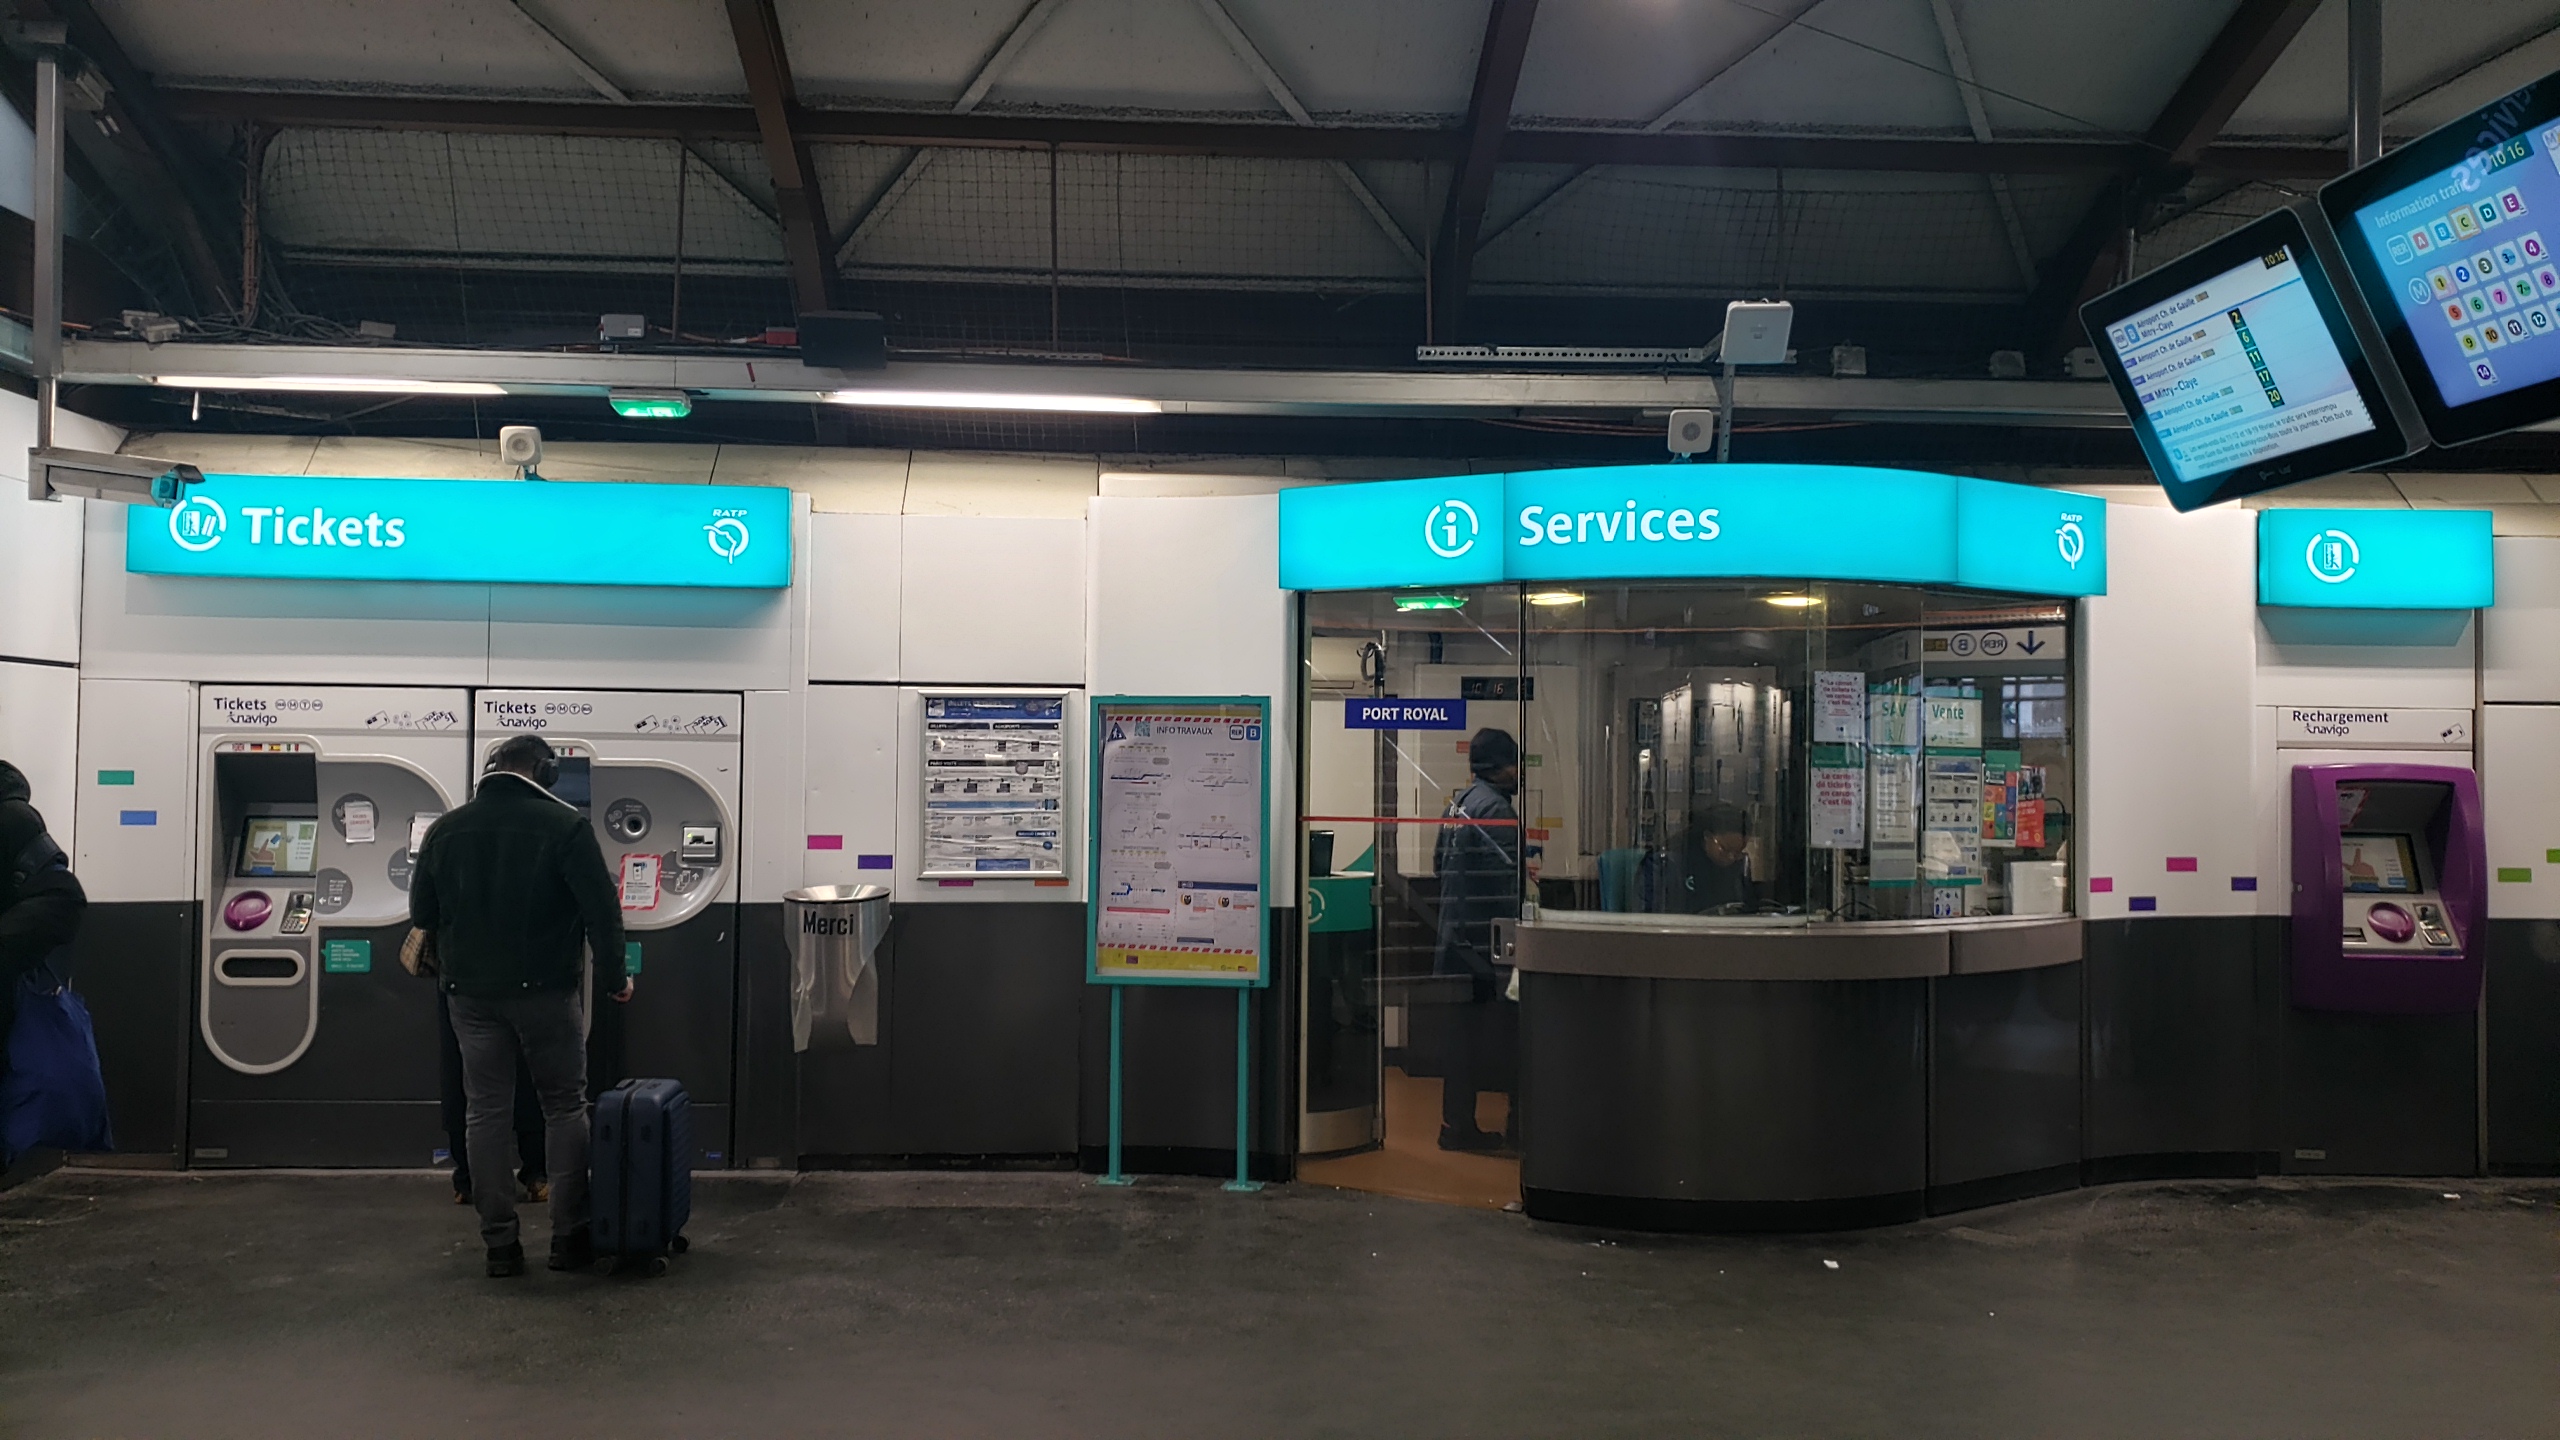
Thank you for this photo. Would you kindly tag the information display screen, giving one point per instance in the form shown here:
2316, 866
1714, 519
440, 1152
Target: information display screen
2449, 240
2382, 864
278, 845
2239, 369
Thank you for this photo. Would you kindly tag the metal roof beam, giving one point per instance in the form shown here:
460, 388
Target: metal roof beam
786, 151
2239, 57
1480, 145
1240, 139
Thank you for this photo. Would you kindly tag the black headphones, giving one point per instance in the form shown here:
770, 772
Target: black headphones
517, 748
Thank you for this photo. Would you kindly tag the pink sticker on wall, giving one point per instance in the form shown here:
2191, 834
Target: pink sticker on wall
2102, 885
2182, 864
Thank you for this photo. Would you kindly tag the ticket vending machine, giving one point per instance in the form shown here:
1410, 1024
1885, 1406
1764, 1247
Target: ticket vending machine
657, 774
2389, 889
312, 1046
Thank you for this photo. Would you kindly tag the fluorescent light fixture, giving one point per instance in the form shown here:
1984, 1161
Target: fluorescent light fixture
1431, 602
341, 384
996, 400
1555, 597
1791, 602
650, 404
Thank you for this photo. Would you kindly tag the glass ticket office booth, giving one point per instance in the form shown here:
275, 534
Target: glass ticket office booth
1744, 849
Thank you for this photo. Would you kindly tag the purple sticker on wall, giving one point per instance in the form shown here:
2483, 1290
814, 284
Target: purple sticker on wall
2142, 902
873, 862
2244, 882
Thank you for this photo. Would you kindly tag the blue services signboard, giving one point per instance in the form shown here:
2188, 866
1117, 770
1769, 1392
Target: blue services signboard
1813, 522
1394, 714
2376, 559
501, 532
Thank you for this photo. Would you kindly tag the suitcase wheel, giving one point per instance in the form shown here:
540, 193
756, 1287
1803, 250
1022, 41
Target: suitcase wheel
654, 1267
679, 1245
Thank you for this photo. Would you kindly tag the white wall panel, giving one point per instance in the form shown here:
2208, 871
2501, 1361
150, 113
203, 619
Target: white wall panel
770, 798
641, 638
275, 631
40, 544
910, 818
1186, 600
2376, 658
853, 596
850, 750
2520, 634
40, 734
991, 601
2167, 717
2520, 798
136, 840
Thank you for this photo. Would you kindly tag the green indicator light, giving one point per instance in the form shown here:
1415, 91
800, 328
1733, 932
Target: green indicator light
1431, 602
651, 404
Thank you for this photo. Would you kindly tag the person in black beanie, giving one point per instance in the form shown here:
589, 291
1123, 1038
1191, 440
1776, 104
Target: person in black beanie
40, 899
1478, 865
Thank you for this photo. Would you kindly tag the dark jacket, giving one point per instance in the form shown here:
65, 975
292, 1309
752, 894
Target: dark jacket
1479, 871
40, 899
509, 884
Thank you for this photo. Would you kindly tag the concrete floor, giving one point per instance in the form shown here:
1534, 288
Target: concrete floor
1039, 1305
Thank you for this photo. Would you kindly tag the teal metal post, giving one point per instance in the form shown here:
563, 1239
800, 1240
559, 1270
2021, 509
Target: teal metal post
1244, 1087
1114, 1177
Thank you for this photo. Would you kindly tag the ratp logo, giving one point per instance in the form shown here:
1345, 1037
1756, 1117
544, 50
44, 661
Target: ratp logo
196, 524
2332, 557
1450, 529
728, 534
2070, 541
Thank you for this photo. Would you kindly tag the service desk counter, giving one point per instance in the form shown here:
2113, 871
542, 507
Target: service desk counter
1690, 1073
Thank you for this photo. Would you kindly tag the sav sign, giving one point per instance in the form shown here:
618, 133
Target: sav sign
486, 532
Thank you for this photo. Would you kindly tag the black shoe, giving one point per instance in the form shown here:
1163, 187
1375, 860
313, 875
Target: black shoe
1474, 1142
505, 1260
573, 1252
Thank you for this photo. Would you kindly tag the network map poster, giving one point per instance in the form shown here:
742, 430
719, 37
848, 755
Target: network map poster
1181, 819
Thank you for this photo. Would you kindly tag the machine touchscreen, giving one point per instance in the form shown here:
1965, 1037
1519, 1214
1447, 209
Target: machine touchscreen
278, 845
2378, 864
577, 782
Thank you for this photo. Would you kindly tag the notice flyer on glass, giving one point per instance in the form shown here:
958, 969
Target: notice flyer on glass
995, 785
1178, 842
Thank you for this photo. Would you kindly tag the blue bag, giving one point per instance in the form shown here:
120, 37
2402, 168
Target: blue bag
54, 1093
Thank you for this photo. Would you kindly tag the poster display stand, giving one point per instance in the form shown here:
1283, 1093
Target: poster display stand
1181, 868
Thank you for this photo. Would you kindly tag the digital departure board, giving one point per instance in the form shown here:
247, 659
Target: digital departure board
2449, 241
2240, 370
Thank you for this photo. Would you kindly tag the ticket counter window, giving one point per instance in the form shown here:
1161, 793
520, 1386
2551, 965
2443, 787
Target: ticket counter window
1739, 753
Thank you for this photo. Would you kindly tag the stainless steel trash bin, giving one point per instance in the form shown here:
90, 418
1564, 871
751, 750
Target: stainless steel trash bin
835, 931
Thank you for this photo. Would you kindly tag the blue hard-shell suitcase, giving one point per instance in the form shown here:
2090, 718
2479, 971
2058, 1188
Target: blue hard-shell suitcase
642, 1167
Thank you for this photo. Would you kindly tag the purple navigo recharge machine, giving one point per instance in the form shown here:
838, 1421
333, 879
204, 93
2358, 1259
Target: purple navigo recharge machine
2389, 889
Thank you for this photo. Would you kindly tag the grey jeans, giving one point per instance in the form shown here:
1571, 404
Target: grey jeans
549, 1027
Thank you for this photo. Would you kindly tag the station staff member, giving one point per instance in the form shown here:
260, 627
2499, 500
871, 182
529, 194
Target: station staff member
510, 885
1478, 865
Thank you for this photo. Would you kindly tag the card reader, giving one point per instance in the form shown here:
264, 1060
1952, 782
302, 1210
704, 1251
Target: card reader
700, 845
297, 913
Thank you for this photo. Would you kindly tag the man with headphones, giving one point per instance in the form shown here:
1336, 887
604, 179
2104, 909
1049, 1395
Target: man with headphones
512, 887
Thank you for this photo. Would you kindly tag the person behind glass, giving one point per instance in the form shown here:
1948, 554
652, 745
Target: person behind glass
511, 886
1718, 878
1478, 866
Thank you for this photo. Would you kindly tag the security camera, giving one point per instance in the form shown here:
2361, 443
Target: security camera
124, 479
1692, 431
520, 446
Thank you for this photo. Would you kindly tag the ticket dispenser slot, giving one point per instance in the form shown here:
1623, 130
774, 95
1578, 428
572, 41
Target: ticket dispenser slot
2389, 889
259, 1004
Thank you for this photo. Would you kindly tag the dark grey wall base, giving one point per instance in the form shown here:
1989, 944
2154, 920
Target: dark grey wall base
2191, 1165
2181, 1036
134, 969
2524, 1047
1178, 1064
939, 1162
2001, 1189
316, 1133
1186, 1160
1622, 1212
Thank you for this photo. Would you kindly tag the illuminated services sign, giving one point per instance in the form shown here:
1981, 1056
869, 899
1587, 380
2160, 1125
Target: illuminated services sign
1814, 522
282, 527
2376, 559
